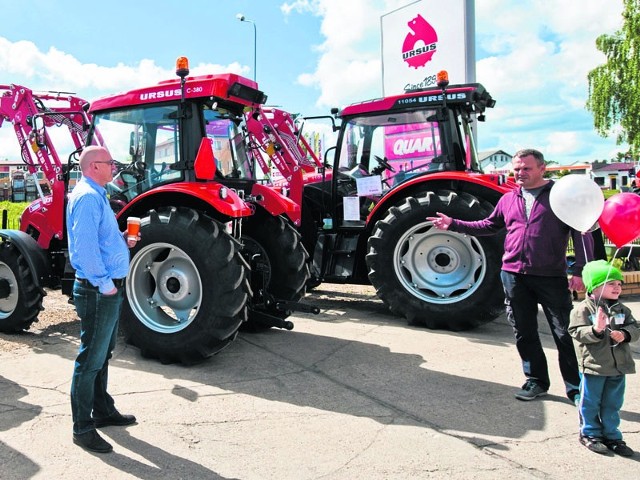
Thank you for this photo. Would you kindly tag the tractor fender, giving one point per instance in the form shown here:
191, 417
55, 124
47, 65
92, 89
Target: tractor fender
275, 203
495, 185
36, 257
223, 199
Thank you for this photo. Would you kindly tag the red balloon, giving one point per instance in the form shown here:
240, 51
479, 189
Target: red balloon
620, 218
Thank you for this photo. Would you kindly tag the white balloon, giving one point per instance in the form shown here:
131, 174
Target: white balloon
577, 201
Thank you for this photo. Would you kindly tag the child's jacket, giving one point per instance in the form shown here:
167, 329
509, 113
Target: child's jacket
597, 354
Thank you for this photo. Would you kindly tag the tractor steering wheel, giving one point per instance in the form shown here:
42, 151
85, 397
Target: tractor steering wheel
135, 168
383, 162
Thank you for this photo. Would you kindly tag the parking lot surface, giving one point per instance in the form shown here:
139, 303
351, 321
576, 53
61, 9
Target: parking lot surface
350, 393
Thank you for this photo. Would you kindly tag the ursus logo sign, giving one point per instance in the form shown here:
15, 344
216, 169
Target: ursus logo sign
423, 33
424, 37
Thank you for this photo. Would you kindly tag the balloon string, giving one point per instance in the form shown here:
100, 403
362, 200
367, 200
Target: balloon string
606, 279
584, 248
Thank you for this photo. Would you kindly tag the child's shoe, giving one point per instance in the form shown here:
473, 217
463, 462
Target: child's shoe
595, 444
619, 447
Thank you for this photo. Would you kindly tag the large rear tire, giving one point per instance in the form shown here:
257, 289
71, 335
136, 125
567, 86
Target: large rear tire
21, 300
187, 287
436, 278
279, 263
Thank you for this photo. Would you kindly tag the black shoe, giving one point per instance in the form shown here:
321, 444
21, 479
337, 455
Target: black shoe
619, 447
92, 441
117, 419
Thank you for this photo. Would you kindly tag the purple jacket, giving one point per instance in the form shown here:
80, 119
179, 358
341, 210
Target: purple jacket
537, 246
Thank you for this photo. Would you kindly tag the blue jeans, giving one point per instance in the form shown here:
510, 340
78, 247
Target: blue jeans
99, 316
523, 294
600, 404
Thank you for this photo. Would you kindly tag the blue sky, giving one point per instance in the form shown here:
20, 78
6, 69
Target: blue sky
532, 55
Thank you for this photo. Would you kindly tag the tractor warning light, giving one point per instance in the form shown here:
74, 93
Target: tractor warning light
442, 78
182, 67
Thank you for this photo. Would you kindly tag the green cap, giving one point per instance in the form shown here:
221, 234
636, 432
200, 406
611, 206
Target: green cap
599, 272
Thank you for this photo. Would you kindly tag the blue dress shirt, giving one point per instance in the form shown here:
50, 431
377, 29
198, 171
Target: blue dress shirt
97, 249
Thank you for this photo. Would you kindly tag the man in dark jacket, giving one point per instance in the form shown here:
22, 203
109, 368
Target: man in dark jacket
534, 271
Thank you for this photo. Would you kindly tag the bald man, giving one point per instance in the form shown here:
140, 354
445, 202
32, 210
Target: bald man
99, 254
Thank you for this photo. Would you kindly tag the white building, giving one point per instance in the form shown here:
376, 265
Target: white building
495, 160
614, 176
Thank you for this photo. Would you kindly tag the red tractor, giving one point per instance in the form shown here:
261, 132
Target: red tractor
35, 256
216, 250
214, 240
218, 244
397, 161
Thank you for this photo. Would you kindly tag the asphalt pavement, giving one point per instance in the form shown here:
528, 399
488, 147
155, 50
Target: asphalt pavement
348, 394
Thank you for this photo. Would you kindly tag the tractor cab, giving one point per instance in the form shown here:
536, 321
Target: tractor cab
145, 141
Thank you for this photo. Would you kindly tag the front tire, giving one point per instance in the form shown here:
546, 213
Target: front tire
436, 278
21, 300
279, 264
187, 287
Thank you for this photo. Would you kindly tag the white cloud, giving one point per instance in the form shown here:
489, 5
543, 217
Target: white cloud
562, 143
301, 6
55, 70
58, 70
349, 66
539, 56
536, 56
9, 147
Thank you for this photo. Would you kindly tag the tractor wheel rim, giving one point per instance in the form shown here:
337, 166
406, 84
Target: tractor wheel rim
164, 288
439, 266
9, 303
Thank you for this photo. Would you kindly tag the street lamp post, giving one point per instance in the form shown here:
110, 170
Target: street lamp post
242, 18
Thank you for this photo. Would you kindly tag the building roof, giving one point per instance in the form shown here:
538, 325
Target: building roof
556, 168
612, 167
482, 156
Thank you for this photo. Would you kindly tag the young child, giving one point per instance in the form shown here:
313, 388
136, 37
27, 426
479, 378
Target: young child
602, 328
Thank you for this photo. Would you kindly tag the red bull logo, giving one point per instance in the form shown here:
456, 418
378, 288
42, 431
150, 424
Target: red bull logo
424, 33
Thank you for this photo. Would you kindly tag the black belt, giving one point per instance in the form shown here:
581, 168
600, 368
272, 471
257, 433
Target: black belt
118, 282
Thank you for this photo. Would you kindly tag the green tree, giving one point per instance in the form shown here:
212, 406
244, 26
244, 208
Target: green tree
598, 163
613, 87
623, 157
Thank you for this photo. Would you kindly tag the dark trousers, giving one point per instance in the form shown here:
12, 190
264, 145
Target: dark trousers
523, 294
99, 316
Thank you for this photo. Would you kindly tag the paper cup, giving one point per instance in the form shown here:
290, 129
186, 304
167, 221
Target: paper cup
133, 228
